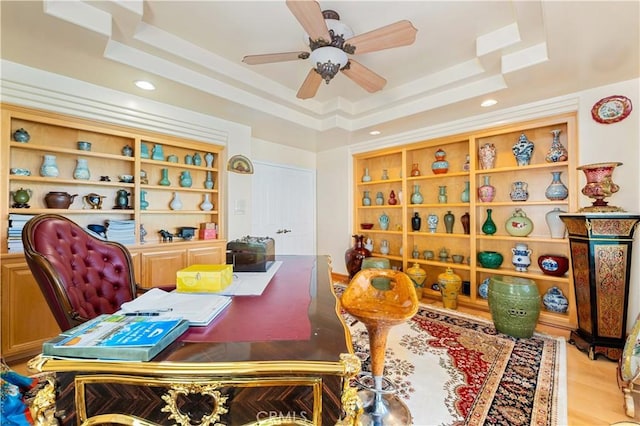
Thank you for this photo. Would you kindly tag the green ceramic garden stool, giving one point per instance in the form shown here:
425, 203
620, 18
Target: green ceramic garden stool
514, 304
377, 263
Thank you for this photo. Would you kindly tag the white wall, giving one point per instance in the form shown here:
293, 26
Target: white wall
598, 142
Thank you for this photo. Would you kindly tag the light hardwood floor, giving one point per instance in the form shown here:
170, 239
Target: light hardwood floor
592, 390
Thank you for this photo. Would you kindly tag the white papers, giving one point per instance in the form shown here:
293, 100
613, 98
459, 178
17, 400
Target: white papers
251, 283
198, 308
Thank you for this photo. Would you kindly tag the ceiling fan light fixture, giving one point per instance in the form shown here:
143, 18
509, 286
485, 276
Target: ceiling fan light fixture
327, 61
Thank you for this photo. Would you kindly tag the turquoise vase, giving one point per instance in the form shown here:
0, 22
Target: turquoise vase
164, 181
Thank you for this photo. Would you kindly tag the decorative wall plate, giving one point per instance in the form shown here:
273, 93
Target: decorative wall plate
240, 164
611, 109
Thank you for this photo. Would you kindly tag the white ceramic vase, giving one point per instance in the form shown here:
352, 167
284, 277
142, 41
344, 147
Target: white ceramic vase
175, 204
206, 204
556, 226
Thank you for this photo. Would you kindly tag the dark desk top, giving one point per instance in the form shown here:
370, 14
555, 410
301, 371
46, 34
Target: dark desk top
324, 340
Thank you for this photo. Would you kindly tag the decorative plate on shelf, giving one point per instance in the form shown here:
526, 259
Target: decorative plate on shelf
240, 164
611, 109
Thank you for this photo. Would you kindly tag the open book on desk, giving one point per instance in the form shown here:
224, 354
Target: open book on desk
198, 308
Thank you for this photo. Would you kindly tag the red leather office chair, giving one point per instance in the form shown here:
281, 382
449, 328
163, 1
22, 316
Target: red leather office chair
80, 276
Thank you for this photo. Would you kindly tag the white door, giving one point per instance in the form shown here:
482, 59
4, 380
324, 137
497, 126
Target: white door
284, 207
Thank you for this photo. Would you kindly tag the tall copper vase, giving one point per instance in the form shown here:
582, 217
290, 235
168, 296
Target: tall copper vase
354, 256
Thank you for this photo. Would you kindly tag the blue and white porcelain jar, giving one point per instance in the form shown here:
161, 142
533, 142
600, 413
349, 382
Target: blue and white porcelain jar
522, 150
483, 288
521, 258
555, 301
383, 220
556, 191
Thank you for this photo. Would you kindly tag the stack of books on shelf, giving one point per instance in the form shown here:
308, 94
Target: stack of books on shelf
14, 232
121, 231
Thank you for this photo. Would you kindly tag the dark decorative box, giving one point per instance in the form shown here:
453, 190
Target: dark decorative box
251, 254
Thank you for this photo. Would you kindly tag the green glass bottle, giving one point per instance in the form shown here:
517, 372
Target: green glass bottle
489, 227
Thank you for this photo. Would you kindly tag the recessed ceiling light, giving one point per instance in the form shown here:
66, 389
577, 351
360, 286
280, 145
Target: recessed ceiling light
488, 103
145, 85
375, 132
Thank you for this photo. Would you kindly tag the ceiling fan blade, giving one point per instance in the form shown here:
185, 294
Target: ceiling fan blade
364, 77
401, 33
310, 86
309, 14
274, 57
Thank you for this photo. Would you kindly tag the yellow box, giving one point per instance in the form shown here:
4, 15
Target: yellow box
204, 278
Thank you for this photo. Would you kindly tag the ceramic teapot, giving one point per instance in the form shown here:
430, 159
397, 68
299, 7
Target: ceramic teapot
59, 200
21, 197
93, 200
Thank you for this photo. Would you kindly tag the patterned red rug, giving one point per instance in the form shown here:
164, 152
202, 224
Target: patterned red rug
456, 369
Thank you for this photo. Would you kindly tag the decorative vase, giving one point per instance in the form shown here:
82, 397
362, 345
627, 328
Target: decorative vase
21, 135
157, 153
522, 150
416, 196
415, 170
486, 192
428, 254
555, 265
519, 225
208, 159
368, 244
555, 301
164, 181
416, 221
556, 191
384, 247
366, 200
188, 159
197, 159
441, 165
127, 151
600, 185
557, 228
450, 285
489, 226
487, 156
467, 164
417, 275
521, 258
556, 152
519, 191
483, 288
383, 220
143, 200
392, 198
449, 220
185, 179
122, 199
465, 195
464, 220
415, 253
443, 255
144, 151
432, 222
354, 256
175, 203
385, 175
490, 259
49, 168
366, 177
208, 182
514, 303
442, 194
206, 205
379, 199
82, 170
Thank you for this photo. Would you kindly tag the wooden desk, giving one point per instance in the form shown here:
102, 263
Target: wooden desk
298, 372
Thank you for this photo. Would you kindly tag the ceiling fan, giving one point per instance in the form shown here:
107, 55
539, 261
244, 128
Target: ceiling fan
330, 41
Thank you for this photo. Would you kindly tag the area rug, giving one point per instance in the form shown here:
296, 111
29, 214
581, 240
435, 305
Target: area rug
456, 369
